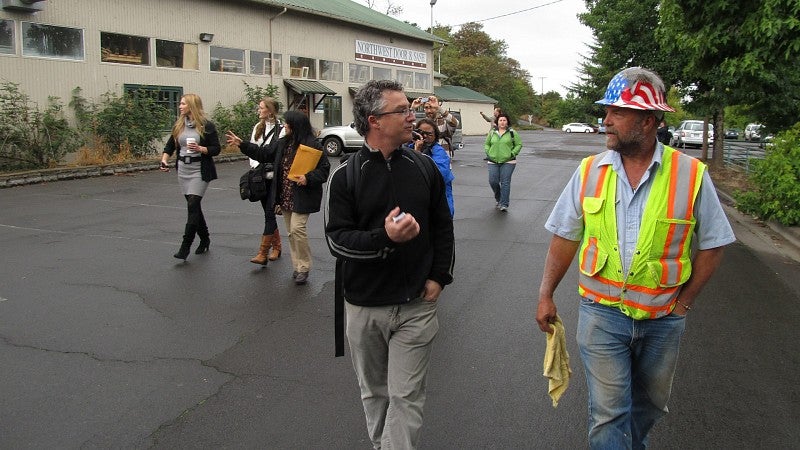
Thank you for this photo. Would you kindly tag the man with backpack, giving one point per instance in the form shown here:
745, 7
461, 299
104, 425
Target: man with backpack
388, 224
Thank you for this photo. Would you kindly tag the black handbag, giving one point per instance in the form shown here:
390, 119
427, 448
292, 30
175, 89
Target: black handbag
253, 184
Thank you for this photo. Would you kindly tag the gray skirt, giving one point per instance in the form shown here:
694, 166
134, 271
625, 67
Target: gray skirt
190, 179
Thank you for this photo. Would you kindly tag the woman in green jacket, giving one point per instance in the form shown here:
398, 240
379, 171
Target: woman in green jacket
502, 147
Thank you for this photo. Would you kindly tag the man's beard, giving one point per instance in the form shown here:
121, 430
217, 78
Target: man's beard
630, 144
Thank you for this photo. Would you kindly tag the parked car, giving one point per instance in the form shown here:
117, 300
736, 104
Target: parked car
335, 140
732, 133
690, 132
752, 132
601, 129
345, 138
576, 127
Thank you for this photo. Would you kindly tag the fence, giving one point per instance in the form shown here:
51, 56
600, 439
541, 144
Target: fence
741, 154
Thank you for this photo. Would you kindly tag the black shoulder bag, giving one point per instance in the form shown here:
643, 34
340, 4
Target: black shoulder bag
254, 184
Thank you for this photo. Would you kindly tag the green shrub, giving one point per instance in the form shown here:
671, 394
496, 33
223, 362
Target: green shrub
133, 122
776, 179
30, 138
242, 116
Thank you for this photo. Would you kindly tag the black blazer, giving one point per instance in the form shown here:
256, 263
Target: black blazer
308, 198
210, 140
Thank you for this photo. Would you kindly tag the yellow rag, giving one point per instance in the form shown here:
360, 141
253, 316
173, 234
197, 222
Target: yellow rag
556, 362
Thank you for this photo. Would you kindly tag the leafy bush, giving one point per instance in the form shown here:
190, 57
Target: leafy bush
30, 138
133, 122
242, 116
777, 182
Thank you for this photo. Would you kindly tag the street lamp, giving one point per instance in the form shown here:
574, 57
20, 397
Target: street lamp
433, 2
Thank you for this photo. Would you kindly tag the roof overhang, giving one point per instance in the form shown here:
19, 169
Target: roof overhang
308, 87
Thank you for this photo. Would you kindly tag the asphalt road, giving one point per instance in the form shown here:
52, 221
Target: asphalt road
107, 341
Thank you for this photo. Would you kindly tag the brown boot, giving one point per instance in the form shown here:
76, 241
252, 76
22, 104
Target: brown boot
275, 253
261, 257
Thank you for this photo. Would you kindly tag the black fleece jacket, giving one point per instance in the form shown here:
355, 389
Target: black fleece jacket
377, 271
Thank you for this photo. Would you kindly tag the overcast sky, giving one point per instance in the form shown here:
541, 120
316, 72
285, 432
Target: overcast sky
545, 36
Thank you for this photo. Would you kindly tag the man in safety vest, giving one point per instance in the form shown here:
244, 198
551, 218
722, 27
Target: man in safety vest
632, 214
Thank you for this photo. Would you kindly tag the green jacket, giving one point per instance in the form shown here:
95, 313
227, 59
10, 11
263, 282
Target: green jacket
501, 149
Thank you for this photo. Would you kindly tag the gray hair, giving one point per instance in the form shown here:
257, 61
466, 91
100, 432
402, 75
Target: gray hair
369, 101
634, 74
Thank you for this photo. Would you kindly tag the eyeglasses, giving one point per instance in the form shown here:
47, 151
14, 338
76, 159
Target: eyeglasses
425, 133
405, 112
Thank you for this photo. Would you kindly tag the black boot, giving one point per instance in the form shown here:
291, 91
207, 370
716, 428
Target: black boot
205, 239
188, 238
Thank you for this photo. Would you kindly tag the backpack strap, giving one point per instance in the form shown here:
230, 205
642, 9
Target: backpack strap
425, 169
352, 173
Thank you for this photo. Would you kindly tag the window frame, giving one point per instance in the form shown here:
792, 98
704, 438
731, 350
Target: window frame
182, 66
23, 39
234, 63
13, 32
121, 58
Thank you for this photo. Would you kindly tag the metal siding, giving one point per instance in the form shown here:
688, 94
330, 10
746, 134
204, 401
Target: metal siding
237, 25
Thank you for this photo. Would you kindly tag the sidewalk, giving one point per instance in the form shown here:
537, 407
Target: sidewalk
785, 240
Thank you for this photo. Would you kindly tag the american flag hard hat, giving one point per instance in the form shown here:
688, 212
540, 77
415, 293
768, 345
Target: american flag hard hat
627, 90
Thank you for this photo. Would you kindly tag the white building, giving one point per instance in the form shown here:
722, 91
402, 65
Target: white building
316, 51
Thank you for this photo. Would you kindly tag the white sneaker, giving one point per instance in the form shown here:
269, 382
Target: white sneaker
504, 208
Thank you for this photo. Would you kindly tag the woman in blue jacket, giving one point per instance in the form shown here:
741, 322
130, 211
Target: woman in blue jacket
428, 143
502, 147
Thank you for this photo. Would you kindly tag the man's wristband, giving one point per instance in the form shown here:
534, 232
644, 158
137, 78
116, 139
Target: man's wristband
685, 306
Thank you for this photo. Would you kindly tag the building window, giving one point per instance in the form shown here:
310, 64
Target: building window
359, 73
124, 49
7, 37
381, 73
167, 96
405, 78
52, 41
330, 70
422, 81
176, 54
260, 63
300, 67
332, 107
227, 60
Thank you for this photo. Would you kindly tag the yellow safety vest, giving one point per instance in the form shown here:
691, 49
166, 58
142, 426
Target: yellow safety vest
662, 260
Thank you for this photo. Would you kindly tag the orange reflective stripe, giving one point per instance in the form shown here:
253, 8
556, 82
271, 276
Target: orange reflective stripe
650, 291
600, 181
692, 186
647, 308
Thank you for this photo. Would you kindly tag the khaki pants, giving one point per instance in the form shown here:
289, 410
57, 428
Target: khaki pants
391, 348
298, 240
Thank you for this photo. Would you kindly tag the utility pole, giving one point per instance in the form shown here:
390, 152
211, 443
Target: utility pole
541, 97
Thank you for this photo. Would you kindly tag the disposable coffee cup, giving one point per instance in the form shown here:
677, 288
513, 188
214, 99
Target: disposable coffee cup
190, 141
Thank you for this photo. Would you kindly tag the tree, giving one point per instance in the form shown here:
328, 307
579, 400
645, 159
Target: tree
391, 8
624, 32
475, 60
736, 53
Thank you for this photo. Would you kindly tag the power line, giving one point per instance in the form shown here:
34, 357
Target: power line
508, 14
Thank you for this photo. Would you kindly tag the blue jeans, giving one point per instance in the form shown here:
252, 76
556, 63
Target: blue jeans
629, 370
500, 181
